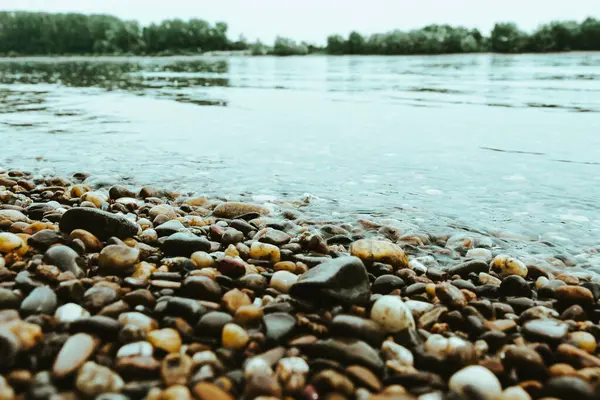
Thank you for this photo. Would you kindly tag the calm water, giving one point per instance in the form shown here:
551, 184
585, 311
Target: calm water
506, 144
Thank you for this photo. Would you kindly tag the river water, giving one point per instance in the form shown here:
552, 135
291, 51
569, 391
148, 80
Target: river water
503, 145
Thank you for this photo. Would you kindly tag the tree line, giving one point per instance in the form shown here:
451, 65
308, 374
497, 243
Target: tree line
36, 33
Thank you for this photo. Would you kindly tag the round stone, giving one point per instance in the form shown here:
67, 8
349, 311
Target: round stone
202, 259
392, 314
10, 242
76, 350
476, 379
507, 265
584, 340
372, 250
93, 380
282, 281
70, 312
118, 258
92, 243
265, 251
166, 339
234, 337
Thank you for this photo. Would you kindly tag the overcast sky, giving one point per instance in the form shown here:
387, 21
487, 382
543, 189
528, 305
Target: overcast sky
313, 20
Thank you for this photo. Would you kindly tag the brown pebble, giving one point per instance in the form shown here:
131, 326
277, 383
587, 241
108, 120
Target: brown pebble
574, 295
175, 369
234, 299
364, 377
166, 339
210, 391
562, 369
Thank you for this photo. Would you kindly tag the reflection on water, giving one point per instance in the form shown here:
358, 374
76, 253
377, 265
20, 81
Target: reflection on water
504, 145
161, 79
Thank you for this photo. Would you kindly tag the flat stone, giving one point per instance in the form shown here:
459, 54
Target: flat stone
168, 228
341, 280
45, 238
346, 351
231, 210
372, 250
118, 259
358, 328
545, 330
184, 244
76, 351
66, 259
574, 295
41, 300
279, 326
100, 223
473, 266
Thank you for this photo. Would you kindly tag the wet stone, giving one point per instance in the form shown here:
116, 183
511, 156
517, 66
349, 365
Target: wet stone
211, 324
272, 236
574, 295
97, 297
476, 380
515, 285
201, 287
232, 210
9, 299
168, 228
279, 326
93, 379
74, 353
385, 284
464, 269
184, 244
282, 281
545, 330
343, 280
450, 295
65, 258
392, 314
41, 300
176, 369
104, 327
348, 351
45, 238
371, 250
356, 327
210, 391
166, 339
100, 223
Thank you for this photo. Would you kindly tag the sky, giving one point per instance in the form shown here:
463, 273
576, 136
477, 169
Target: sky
314, 20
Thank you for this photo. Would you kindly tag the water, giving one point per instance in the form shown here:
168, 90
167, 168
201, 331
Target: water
503, 145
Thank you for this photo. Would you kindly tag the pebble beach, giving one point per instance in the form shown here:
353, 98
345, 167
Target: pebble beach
126, 292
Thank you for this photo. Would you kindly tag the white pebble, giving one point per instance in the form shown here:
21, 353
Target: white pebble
257, 366
436, 344
392, 314
479, 252
70, 312
480, 379
282, 281
515, 393
135, 349
418, 308
395, 352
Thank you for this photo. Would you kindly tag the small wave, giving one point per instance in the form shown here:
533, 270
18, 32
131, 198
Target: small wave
512, 151
578, 162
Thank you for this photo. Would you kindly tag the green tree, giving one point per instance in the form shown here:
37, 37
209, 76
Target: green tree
507, 38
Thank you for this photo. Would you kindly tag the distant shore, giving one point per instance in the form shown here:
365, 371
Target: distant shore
35, 33
226, 54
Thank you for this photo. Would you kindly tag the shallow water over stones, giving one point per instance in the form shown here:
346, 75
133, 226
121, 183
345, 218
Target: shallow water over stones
494, 144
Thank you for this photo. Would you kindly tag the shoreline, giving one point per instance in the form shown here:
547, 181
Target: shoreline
109, 57
145, 293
